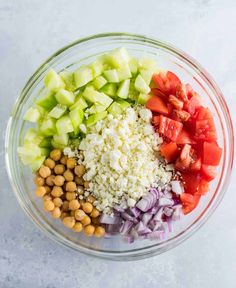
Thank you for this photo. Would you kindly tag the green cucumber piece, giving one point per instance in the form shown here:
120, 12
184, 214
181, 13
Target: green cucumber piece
123, 90
64, 125
82, 76
48, 126
32, 115
57, 111
110, 89
119, 56
97, 68
57, 145
118, 107
53, 81
146, 75
111, 76
48, 101
44, 151
76, 117
99, 82
95, 118
124, 104
124, 72
97, 108
32, 136
133, 66
28, 153
80, 103
46, 142
94, 96
133, 93
143, 98
37, 163
65, 97
147, 64
62, 139
68, 78
140, 85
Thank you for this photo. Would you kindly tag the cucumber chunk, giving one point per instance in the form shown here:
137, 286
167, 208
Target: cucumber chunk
119, 56
80, 103
28, 153
124, 104
111, 76
64, 125
118, 107
97, 68
48, 101
37, 163
82, 76
46, 142
57, 111
32, 115
146, 75
68, 78
32, 136
57, 145
65, 97
133, 66
133, 93
95, 118
76, 117
147, 64
53, 81
140, 85
48, 126
123, 90
99, 82
94, 96
143, 98
62, 139
124, 72
110, 89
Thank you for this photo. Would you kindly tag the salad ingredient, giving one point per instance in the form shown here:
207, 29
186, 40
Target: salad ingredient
211, 153
169, 151
156, 104
169, 128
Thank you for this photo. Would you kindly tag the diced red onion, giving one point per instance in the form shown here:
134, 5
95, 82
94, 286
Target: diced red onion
135, 212
158, 215
128, 238
113, 228
118, 208
126, 216
165, 202
155, 235
107, 219
146, 218
177, 187
168, 211
126, 227
169, 223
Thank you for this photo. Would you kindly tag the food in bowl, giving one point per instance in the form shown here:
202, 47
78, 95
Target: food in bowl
120, 146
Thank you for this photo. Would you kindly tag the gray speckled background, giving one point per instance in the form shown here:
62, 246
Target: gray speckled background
29, 32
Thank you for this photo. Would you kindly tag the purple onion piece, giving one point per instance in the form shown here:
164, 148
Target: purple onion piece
135, 212
119, 209
146, 218
128, 239
168, 211
158, 215
126, 227
113, 228
165, 202
107, 219
128, 217
155, 235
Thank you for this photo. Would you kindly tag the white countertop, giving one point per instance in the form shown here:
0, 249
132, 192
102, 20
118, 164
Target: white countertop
32, 30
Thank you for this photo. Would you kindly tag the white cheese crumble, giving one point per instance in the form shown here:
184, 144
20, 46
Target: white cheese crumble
119, 156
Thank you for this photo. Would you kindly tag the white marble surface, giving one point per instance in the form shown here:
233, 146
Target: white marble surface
29, 32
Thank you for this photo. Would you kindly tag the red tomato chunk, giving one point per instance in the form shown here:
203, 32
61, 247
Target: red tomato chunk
170, 128
211, 153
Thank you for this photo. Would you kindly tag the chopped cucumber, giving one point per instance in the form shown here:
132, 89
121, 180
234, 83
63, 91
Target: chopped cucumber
146, 75
119, 56
57, 145
124, 104
141, 85
124, 72
28, 153
53, 81
96, 108
110, 89
44, 151
97, 68
111, 76
123, 90
65, 97
133, 93
95, 118
62, 139
99, 82
48, 126
118, 107
32, 115
94, 96
133, 66
37, 163
48, 101
82, 76
68, 78
80, 103
143, 98
32, 136
64, 125
76, 117
147, 64
57, 111
46, 142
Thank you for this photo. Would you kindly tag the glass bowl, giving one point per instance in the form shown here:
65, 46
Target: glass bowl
82, 52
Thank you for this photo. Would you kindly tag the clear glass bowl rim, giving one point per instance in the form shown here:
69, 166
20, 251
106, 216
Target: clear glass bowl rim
158, 248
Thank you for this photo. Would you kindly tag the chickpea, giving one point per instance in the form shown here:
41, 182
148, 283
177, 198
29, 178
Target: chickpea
47, 198
59, 180
68, 175
79, 170
72, 213
48, 189
74, 204
95, 213
86, 220
49, 163
57, 202
44, 171
48, 205
50, 180
89, 230
79, 214
69, 221
81, 202
70, 196
79, 180
63, 160
39, 181
59, 169
99, 231
78, 227
65, 206
87, 207
70, 186
40, 191
86, 184
55, 154
56, 212
71, 162
91, 199
63, 215
57, 191
80, 190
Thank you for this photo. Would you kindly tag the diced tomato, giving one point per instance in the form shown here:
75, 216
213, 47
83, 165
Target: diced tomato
205, 130
189, 202
170, 108
204, 113
194, 104
174, 81
170, 128
189, 91
169, 151
161, 82
184, 138
191, 182
211, 153
156, 120
208, 172
203, 187
176, 102
183, 162
158, 93
186, 198
180, 115
156, 104
181, 93
196, 165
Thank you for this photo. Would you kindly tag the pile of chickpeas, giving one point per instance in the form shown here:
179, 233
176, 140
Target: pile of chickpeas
61, 185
